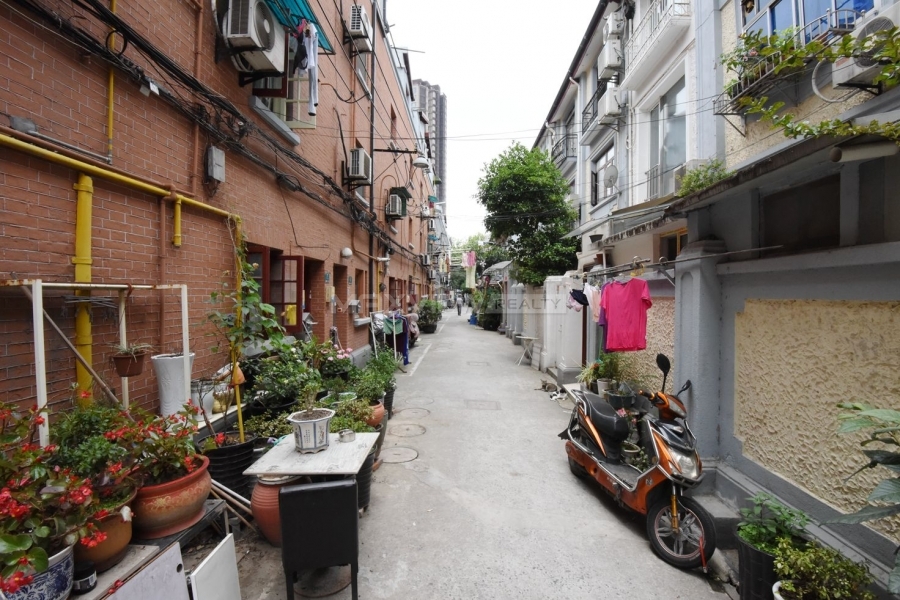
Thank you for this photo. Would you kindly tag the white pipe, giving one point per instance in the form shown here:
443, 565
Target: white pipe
186, 356
40, 365
124, 342
863, 151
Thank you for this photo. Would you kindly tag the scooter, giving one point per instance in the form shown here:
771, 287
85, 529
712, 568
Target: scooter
646, 469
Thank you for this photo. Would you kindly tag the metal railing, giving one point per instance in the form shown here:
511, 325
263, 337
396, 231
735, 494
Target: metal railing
660, 13
653, 182
589, 114
565, 147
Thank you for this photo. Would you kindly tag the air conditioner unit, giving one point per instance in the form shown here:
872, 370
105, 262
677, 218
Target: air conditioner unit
360, 166
360, 29
610, 59
250, 25
861, 70
434, 274
614, 27
426, 211
609, 109
426, 260
394, 206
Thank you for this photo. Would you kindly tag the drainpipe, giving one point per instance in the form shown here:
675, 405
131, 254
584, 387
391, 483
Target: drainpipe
82, 261
373, 266
111, 84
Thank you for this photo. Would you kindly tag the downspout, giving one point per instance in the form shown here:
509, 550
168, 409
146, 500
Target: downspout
82, 261
373, 266
111, 86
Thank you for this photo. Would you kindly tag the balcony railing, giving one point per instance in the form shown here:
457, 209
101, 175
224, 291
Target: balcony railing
659, 17
653, 182
590, 110
564, 148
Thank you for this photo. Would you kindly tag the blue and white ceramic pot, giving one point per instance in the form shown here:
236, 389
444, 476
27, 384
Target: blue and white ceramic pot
53, 584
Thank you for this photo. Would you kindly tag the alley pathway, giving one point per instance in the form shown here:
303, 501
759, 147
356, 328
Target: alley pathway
488, 508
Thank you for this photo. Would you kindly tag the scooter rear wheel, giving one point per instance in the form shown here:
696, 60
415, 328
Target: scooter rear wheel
681, 548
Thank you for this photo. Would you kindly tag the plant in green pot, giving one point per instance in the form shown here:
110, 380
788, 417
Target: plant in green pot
763, 525
810, 571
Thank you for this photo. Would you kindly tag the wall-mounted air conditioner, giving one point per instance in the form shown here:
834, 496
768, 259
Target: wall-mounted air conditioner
609, 109
610, 59
614, 27
861, 70
360, 168
360, 29
394, 207
251, 26
434, 274
426, 260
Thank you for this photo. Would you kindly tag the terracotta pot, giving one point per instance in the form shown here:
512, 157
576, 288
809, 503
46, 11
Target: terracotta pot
112, 550
53, 584
129, 365
167, 508
377, 413
264, 504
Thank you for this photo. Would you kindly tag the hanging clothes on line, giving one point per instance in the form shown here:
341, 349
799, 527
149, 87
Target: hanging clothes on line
310, 39
624, 309
396, 334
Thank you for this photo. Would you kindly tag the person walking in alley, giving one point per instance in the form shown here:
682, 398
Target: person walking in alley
458, 305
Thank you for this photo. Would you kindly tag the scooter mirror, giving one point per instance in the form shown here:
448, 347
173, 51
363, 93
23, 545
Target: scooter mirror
662, 361
686, 386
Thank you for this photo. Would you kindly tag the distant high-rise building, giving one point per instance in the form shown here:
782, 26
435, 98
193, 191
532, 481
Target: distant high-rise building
433, 104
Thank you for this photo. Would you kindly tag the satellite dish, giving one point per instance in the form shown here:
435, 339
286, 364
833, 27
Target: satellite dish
610, 176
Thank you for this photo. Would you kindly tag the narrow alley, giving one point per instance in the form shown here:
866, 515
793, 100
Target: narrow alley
475, 498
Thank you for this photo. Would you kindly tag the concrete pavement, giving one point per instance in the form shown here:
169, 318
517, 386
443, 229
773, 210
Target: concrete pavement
488, 508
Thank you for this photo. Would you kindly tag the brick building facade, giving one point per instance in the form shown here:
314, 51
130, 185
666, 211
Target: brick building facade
155, 213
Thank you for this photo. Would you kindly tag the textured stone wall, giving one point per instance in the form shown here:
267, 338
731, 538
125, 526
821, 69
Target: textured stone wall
794, 361
660, 338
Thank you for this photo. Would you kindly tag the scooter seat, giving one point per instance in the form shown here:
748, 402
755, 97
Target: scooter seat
605, 418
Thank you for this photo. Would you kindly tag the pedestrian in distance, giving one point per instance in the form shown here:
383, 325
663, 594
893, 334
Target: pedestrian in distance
458, 305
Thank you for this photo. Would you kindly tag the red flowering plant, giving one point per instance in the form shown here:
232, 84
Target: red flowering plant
166, 444
43, 507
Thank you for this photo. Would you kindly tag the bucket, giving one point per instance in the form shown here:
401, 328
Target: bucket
169, 369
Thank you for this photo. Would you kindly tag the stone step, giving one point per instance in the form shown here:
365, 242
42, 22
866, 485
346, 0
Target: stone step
724, 517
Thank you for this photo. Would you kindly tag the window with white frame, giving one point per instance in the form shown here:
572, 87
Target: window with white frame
362, 70
667, 147
770, 17
599, 191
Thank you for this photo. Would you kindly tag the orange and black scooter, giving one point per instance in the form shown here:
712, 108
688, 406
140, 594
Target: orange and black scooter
646, 468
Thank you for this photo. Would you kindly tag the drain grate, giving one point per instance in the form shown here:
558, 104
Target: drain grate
412, 413
406, 430
482, 404
398, 454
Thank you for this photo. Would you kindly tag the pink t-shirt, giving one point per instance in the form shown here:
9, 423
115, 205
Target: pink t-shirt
625, 306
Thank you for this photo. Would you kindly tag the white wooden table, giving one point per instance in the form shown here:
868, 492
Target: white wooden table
339, 458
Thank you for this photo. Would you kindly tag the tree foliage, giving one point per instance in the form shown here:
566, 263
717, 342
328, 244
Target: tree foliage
525, 197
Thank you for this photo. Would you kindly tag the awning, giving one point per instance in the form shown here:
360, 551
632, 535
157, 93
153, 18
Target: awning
289, 13
402, 192
585, 228
497, 267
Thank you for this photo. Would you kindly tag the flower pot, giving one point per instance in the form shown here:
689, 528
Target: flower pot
364, 481
428, 327
756, 572
228, 463
112, 550
169, 369
776, 591
311, 433
630, 450
377, 413
382, 431
53, 584
264, 505
129, 365
389, 401
167, 508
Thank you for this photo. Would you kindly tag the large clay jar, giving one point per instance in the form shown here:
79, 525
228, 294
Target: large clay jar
167, 508
264, 504
377, 413
113, 549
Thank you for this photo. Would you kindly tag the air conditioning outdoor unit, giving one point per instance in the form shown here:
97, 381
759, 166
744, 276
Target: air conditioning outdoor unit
360, 29
360, 166
426, 260
609, 110
250, 25
434, 274
610, 59
614, 27
862, 70
394, 206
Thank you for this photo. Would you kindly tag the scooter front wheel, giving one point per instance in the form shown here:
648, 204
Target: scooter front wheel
680, 546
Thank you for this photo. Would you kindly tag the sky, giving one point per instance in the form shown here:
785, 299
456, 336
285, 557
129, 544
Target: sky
500, 63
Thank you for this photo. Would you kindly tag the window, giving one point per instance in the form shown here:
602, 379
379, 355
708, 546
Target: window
362, 71
293, 106
598, 170
671, 244
770, 17
668, 140
362, 293
803, 219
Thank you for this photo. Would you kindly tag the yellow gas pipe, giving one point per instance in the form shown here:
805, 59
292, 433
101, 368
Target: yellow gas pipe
82, 261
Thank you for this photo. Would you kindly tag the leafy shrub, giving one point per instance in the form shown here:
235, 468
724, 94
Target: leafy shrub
702, 177
768, 521
813, 572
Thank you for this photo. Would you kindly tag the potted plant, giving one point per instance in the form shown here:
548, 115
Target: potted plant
430, 312
268, 426
369, 388
228, 457
84, 449
810, 571
279, 381
761, 528
311, 424
129, 358
44, 512
176, 480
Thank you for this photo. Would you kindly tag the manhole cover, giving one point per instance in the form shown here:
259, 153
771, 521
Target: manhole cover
483, 404
398, 454
412, 413
406, 430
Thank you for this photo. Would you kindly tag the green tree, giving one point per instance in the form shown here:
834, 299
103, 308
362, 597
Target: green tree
525, 197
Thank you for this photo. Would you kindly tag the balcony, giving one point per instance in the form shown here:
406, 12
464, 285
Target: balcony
654, 36
565, 150
593, 117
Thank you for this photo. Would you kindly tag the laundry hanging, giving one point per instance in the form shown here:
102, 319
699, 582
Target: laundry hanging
624, 307
310, 39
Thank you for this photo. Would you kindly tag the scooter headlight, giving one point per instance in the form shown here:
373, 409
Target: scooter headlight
688, 464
